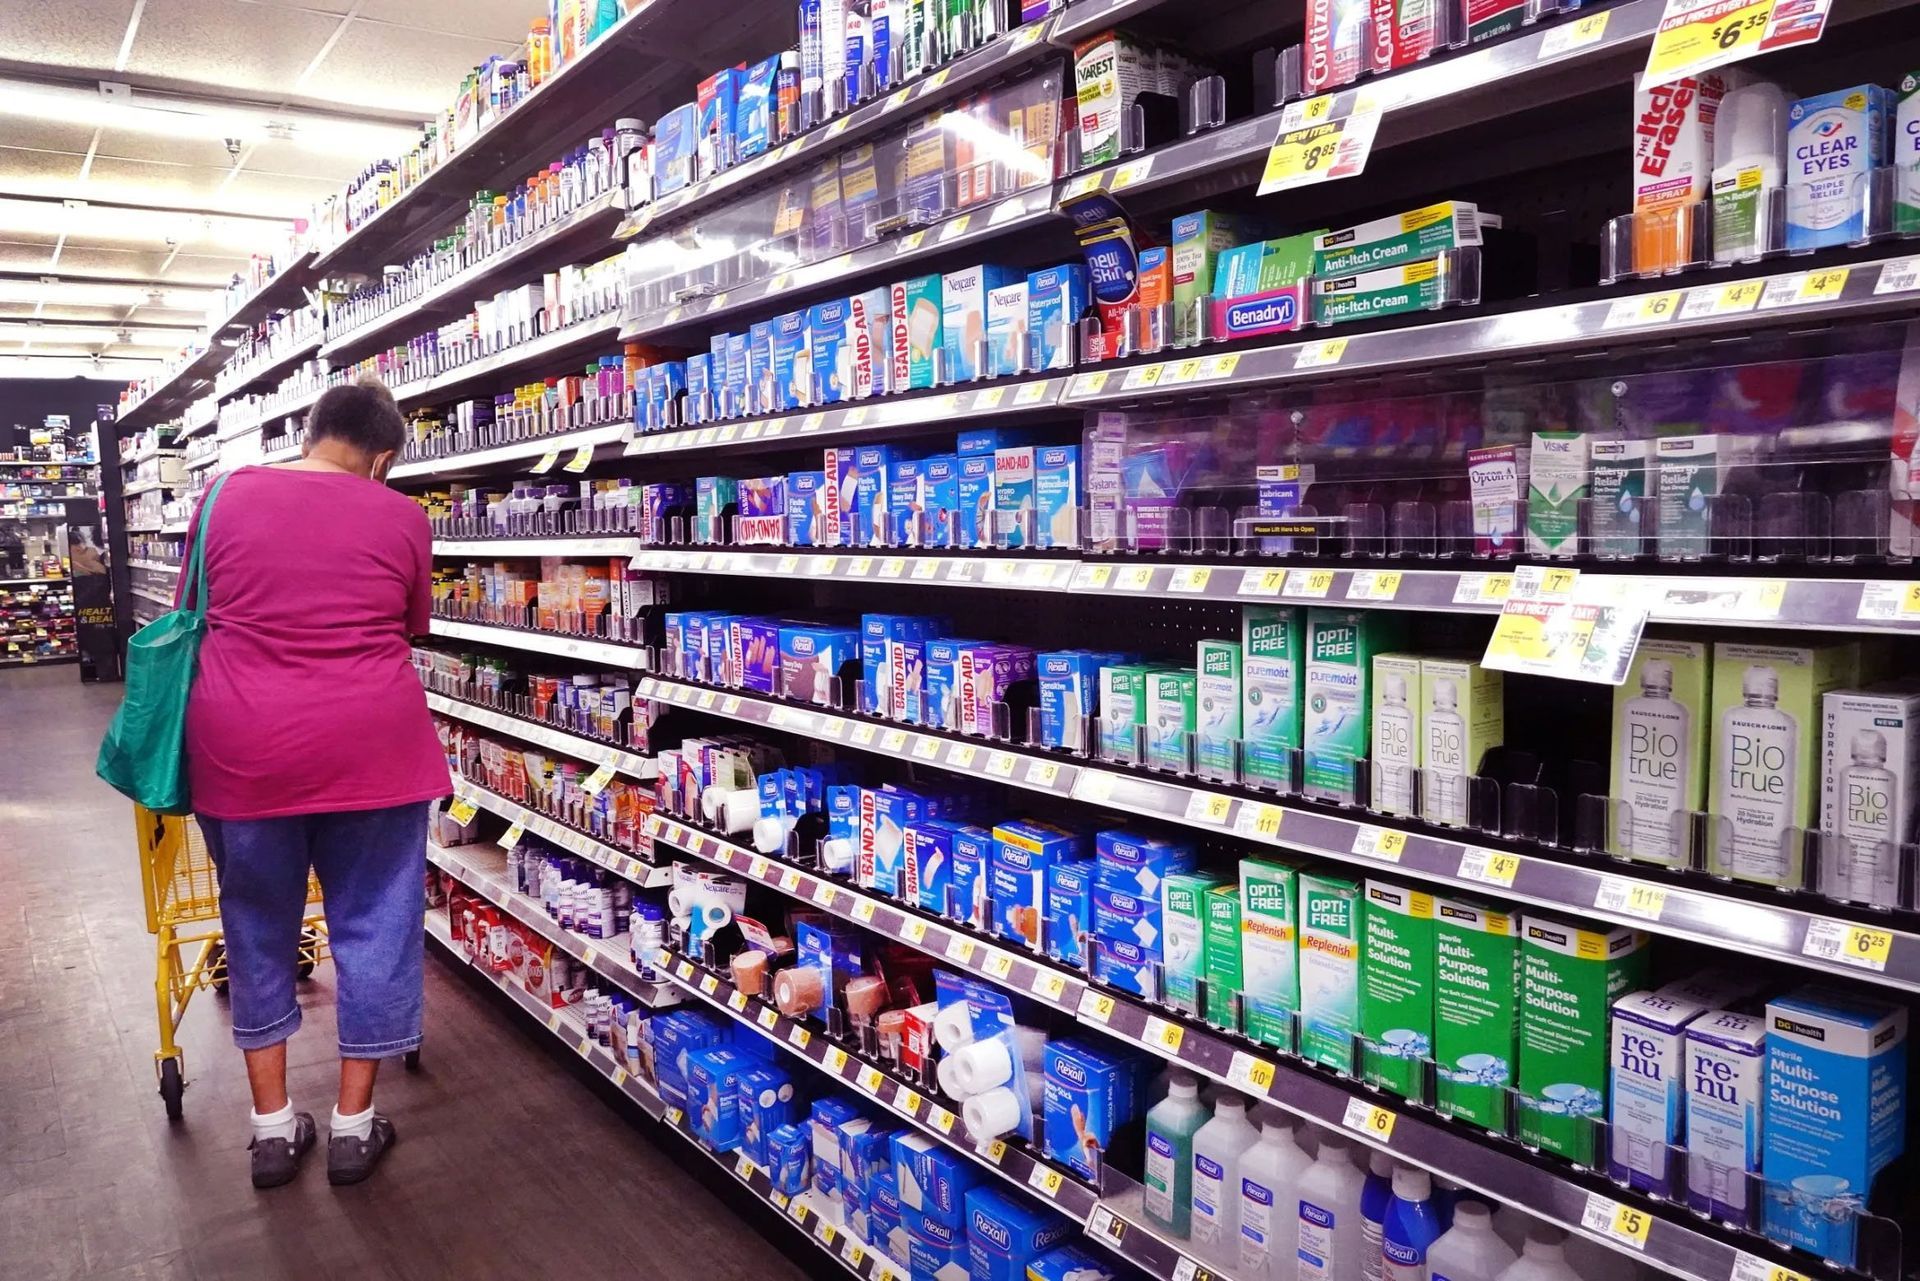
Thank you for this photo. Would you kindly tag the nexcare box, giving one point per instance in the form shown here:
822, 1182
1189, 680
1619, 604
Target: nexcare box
1396, 988
1329, 968
1726, 1062
1569, 978
1273, 668
963, 318
1835, 1115
1269, 949
1870, 769
1340, 648
1646, 1097
1475, 1009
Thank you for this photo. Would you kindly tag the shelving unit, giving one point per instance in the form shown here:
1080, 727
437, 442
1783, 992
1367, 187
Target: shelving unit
37, 614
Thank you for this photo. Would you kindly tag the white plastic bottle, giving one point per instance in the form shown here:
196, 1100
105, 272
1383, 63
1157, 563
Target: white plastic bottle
1171, 1126
1749, 166
1270, 1175
1446, 766
1470, 1250
1650, 759
1332, 1239
1754, 782
1217, 1152
1867, 789
1393, 748
1544, 1259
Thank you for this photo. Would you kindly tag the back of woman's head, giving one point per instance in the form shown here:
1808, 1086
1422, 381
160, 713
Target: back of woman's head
363, 416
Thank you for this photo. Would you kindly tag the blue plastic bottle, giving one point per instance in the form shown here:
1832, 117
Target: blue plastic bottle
1375, 1193
1412, 1224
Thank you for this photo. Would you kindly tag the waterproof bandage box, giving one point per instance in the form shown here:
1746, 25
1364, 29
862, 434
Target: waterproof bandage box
1056, 298
1013, 495
830, 342
792, 362
1835, 1116
885, 817
963, 317
1007, 329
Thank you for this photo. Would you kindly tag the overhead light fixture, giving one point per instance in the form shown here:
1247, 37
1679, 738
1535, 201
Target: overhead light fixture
57, 292
115, 105
171, 228
83, 335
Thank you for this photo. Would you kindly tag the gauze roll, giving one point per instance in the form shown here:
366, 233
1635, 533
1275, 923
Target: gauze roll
769, 835
953, 1027
976, 1068
990, 1115
736, 809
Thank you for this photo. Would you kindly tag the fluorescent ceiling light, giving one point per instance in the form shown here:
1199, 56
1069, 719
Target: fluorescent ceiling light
117, 106
84, 335
140, 226
107, 369
84, 293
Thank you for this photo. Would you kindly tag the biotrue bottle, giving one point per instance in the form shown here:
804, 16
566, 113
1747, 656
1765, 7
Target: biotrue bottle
1471, 1250
1332, 1237
1411, 1226
1872, 850
1270, 1175
1218, 1148
1544, 1259
1374, 1198
1171, 1126
1755, 781
1652, 749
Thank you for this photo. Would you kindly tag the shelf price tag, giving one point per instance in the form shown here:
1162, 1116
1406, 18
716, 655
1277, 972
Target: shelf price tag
1884, 602
1803, 288
1097, 1006
1622, 1223
462, 811
1209, 807
1318, 150
546, 461
1262, 582
1699, 35
1316, 355
768, 1017
1045, 1180
870, 1080
582, 458
1648, 309
1705, 301
799, 1036
1374, 584
1378, 842
959, 948
1748, 1267
1191, 579
1107, 1226
1048, 985
1490, 867
1258, 822
1364, 1117
893, 740
1630, 898
1568, 36
1163, 1035
596, 782
1314, 584
511, 837
1249, 1073
1856, 945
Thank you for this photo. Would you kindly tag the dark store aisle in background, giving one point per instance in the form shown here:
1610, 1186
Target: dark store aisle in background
506, 1166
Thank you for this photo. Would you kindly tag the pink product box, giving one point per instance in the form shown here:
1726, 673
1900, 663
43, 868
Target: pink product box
763, 510
985, 673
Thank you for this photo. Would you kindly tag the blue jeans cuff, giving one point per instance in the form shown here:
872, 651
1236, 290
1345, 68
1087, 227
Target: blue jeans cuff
381, 1050
272, 1034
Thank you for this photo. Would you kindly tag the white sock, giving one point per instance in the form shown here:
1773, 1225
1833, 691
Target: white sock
276, 1125
359, 1125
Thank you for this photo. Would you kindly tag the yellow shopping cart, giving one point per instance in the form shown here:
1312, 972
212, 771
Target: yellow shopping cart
183, 915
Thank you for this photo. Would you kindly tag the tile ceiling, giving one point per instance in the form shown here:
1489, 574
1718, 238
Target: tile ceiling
382, 62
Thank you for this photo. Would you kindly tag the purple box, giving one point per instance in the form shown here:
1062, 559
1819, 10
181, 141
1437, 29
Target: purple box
763, 510
657, 504
753, 652
985, 673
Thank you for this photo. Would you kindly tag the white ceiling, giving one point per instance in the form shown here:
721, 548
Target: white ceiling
381, 62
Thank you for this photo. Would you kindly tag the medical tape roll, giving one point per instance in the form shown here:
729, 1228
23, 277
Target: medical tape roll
977, 1068
797, 990
734, 810
680, 900
953, 1027
836, 855
769, 835
991, 1114
714, 917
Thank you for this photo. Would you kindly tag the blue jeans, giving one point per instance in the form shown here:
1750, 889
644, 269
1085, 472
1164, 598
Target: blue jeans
372, 867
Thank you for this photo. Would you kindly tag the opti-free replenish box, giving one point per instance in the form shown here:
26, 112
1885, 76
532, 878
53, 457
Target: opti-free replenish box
1329, 968
1223, 955
1475, 1023
1835, 1116
1269, 948
1396, 988
1569, 979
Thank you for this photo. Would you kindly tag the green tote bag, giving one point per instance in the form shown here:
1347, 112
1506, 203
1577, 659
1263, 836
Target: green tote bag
144, 754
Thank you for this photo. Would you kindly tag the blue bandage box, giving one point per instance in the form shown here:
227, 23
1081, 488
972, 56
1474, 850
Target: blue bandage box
829, 334
1016, 875
765, 1103
929, 863
1119, 914
940, 487
713, 1096
1056, 299
932, 1178
1056, 496
1126, 966
826, 1118
1003, 1232
972, 851
792, 362
1138, 864
973, 495
1087, 1092
1069, 1263
803, 507
789, 1158
1069, 911
932, 1247
760, 397
885, 816
884, 1229
871, 464
1069, 683
811, 659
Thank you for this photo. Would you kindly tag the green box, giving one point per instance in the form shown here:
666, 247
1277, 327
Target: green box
1197, 241
1463, 716
1659, 756
1397, 738
1183, 936
1559, 468
1400, 238
1475, 1009
1390, 291
1287, 260
1270, 948
1170, 720
1217, 708
1397, 988
1123, 712
1329, 968
1222, 904
1569, 977
1272, 671
1619, 493
1341, 645
1766, 753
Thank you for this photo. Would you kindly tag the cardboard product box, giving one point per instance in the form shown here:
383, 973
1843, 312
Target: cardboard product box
1870, 770
1570, 977
1462, 718
1476, 1027
1659, 757
1270, 949
1557, 480
1330, 943
1397, 988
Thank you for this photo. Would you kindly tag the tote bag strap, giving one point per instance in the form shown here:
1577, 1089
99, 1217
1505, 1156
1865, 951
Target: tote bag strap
197, 568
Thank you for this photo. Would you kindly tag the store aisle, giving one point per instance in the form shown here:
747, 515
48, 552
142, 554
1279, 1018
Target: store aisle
507, 1165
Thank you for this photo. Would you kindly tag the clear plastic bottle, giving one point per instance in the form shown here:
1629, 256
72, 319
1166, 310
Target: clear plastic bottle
1755, 759
1218, 1149
1394, 744
1471, 1250
1270, 1175
1544, 1259
1411, 1226
1867, 789
1332, 1237
1171, 1126
1374, 1198
1445, 767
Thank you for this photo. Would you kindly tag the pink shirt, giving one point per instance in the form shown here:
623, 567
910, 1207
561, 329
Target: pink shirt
306, 700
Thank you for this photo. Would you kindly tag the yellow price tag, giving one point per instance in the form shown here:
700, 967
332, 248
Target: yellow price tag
1490, 867
1192, 579
999, 965
799, 1036
582, 458
914, 930
1320, 354
1632, 1225
893, 740
995, 1150
1869, 946
709, 984
546, 462
863, 910
1042, 773
1319, 148
1163, 1035
462, 811
960, 948
1046, 1180
597, 781
962, 755
870, 1080
768, 1017
1259, 822
941, 1119
738, 1000
1374, 1122
511, 837
1097, 1006
1700, 37
1048, 985
1250, 1073
835, 1059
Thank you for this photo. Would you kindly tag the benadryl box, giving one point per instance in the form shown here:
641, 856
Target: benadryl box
1647, 1088
1726, 1061
1835, 1115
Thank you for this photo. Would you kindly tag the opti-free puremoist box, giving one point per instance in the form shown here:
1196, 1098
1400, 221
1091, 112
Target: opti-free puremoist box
1396, 988
1183, 929
1646, 1088
1835, 1115
1217, 704
1569, 978
1123, 713
1726, 1067
1273, 668
1170, 720
1270, 948
1475, 1022
1340, 649
1329, 968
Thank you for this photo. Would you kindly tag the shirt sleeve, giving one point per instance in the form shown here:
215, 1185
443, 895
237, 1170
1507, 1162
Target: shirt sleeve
420, 592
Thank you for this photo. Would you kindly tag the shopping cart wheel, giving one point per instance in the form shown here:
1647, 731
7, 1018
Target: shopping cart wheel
412, 1060
171, 1088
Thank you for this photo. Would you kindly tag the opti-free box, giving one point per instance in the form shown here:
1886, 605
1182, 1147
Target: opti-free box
1183, 925
1223, 955
1123, 713
1217, 706
1340, 648
1835, 1115
1272, 670
1329, 968
1269, 949
1170, 720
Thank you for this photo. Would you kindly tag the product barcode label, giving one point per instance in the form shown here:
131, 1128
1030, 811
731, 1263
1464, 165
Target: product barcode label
1747, 1267
1490, 867
1374, 1122
1898, 277
1622, 1223
1378, 842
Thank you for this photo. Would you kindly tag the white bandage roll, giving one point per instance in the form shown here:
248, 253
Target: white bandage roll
680, 901
836, 854
977, 1068
736, 809
990, 1115
769, 835
953, 1027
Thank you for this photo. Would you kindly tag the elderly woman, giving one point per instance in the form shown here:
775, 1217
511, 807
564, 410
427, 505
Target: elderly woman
309, 744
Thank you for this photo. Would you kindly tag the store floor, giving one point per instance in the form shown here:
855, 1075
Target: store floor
507, 1165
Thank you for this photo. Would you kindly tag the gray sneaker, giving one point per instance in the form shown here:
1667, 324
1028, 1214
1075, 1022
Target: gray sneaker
276, 1161
351, 1159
